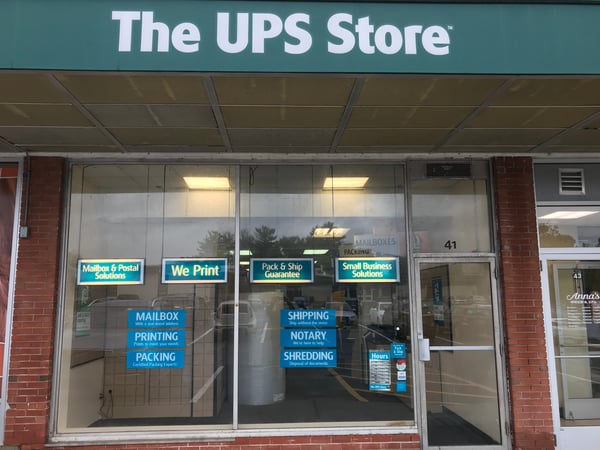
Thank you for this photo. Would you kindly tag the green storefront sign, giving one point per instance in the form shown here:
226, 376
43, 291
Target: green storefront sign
235, 36
194, 270
281, 270
110, 271
367, 270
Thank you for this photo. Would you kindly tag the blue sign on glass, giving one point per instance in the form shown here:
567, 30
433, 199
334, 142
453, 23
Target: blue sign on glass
401, 386
155, 338
194, 270
110, 271
286, 270
296, 338
367, 270
156, 318
308, 358
155, 359
293, 318
398, 350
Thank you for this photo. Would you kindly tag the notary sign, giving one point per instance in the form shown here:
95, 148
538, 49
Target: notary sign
308, 338
110, 271
367, 270
194, 270
281, 270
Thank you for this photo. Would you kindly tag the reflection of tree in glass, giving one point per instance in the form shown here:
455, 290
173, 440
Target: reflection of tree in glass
264, 243
217, 244
550, 236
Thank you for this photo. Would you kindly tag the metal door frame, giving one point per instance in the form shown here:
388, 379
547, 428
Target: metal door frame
420, 394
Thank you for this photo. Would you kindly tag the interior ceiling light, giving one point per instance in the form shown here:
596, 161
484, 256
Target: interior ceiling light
568, 214
330, 232
345, 182
242, 252
316, 251
208, 183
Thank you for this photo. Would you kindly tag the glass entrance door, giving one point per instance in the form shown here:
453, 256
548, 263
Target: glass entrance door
575, 311
459, 359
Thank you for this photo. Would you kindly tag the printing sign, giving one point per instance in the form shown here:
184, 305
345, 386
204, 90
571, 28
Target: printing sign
194, 270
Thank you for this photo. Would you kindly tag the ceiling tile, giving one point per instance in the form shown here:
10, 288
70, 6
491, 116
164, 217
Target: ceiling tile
54, 135
404, 149
284, 138
551, 92
407, 117
28, 88
426, 91
73, 148
495, 137
328, 91
530, 117
580, 137
131, 116
200, 116
29, 114
378, 136
136, 89
297, 150
167, 136
282, 116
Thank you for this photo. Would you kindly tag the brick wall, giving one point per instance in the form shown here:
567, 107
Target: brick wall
34, 306
529, 390
344, 442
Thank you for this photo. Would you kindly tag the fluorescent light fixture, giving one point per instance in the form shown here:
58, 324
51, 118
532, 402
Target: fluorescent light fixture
242, 252
568, 214
330, 232
208, 183
244, 263
316, 251
345, 182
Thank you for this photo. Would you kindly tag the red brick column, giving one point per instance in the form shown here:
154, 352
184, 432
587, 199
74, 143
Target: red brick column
529, 389
30, 370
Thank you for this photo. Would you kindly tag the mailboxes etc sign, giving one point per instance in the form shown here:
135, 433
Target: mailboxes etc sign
264, 36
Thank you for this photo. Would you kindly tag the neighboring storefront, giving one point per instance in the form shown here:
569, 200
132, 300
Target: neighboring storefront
568, 200
299, 224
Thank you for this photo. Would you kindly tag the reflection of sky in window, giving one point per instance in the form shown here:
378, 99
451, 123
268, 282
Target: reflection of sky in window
119, 224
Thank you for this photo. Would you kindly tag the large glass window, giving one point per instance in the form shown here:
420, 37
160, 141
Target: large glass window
323, 213
152, 313
139, 342
569, 226
450, 213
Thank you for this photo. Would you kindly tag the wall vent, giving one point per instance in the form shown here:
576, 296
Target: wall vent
571, 182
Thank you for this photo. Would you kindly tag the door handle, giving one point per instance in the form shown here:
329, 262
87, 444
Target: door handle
424, 353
